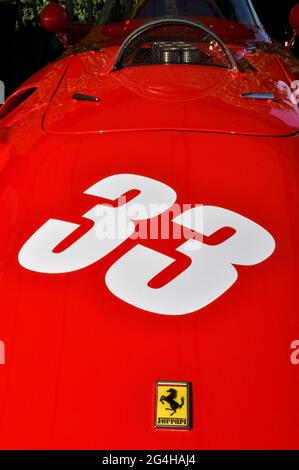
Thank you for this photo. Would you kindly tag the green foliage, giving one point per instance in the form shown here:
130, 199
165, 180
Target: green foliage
29, 10
81, 9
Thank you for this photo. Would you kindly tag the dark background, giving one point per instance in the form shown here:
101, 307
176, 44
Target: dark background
274, 15
25, 51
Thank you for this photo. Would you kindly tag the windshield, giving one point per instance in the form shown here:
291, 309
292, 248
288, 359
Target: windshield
234, 10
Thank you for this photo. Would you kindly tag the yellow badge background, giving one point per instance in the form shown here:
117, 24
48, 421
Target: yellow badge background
161, 412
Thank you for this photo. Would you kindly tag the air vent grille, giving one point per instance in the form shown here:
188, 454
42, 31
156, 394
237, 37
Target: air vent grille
176, 42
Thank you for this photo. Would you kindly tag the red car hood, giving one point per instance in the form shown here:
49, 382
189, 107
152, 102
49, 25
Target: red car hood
172, 98
82, 364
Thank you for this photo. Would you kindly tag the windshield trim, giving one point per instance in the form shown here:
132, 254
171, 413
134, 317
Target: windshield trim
255, 18
109, 5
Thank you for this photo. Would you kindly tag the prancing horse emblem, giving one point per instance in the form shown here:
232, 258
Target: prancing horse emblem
171, 400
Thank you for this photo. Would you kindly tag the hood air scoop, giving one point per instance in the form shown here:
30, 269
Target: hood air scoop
174, 41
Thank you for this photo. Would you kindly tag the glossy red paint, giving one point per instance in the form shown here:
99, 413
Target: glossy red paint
227, 30
170, 98
81, 364
54, 18
294, 17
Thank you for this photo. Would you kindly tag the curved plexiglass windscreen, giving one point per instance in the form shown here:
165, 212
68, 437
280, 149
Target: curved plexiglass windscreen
234, 10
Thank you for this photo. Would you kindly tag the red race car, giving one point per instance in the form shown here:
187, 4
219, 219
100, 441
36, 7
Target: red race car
149, 256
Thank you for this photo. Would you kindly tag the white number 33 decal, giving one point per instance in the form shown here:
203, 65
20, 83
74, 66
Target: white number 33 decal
210, 273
